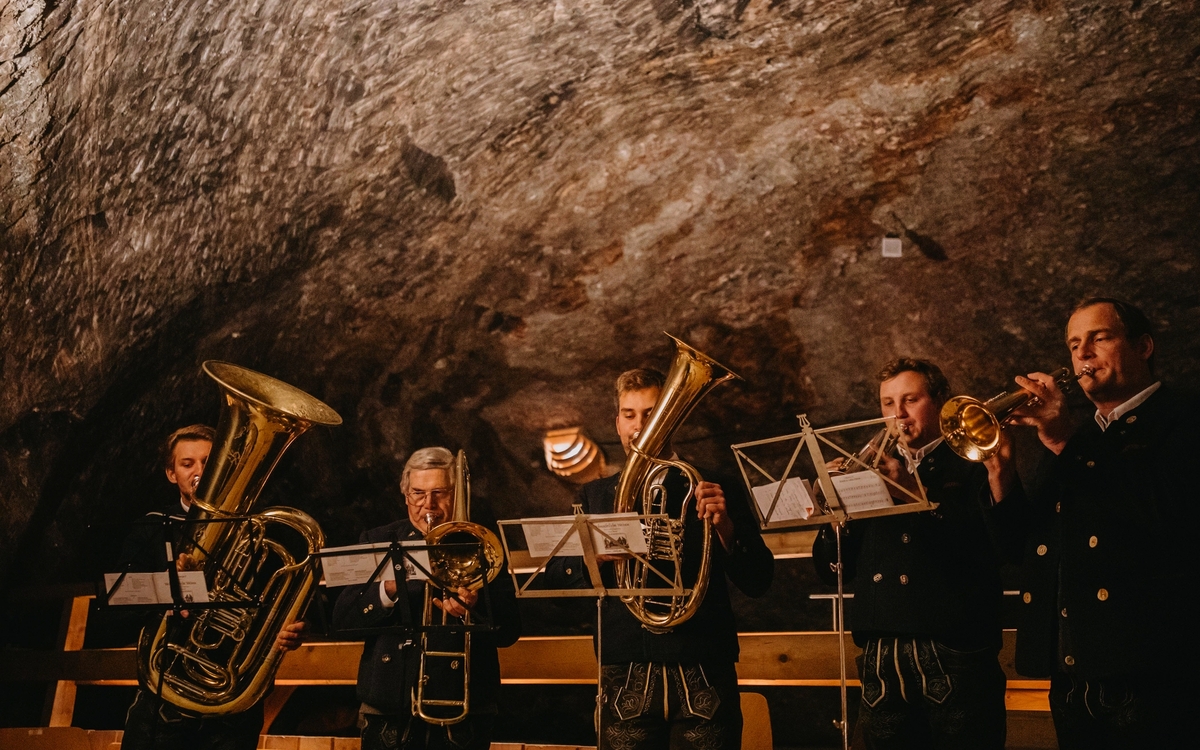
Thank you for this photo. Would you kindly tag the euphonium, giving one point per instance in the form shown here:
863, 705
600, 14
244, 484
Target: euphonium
692, 375
461, 555
223, 660
972, 427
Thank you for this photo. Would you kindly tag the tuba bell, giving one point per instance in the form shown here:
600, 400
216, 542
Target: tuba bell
972, 427
461, 555
692, 375
223, 660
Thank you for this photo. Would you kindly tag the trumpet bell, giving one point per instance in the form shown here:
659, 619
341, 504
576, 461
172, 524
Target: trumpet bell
970, 428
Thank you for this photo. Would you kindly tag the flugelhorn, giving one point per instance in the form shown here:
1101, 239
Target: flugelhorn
972, 427
461, 555
223, 660
692, 375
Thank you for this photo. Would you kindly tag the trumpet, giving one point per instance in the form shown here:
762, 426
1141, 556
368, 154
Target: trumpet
972, 427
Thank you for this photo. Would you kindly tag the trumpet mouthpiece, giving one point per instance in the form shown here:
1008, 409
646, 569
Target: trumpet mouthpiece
1087, 370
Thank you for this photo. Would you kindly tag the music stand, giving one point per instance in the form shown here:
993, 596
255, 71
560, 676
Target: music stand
174, 599
793, 501
588, 529
402, 558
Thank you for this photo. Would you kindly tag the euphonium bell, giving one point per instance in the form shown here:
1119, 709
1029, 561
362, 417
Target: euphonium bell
692, 375
972, 427
461, 555
223, 660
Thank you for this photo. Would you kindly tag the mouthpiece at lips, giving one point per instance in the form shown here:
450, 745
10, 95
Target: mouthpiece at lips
195, 482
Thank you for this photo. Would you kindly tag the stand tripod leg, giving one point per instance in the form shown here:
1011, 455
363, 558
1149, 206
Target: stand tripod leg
599, 664
841, 631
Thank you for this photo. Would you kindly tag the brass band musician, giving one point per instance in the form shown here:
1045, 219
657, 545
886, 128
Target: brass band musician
927, 595
677, 689
390, 664
152, 723
1109, 565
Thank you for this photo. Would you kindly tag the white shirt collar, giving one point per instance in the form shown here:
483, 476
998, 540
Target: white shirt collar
914, 457
1125, 408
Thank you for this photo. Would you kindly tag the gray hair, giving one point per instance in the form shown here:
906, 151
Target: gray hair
428, 458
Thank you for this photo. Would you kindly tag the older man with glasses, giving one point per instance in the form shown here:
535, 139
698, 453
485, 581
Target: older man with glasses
388, 670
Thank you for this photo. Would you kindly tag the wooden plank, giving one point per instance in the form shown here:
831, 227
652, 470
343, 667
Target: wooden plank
780, 659
789, 544
334, 663
62, 706
556, 660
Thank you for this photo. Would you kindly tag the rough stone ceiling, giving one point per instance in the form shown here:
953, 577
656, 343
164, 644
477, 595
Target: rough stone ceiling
458, 221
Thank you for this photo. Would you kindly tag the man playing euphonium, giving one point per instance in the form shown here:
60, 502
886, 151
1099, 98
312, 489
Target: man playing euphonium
678, 689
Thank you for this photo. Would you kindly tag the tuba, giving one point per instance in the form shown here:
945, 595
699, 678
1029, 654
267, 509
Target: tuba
223, 660
972, 427
461, 555
692, 375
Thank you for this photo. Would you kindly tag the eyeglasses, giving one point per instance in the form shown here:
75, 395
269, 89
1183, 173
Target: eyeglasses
420, 497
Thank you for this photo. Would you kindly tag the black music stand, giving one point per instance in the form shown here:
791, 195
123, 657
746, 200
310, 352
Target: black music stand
106, 589
403, 559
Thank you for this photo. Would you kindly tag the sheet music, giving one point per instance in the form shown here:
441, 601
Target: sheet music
795, 502
625, 530
543, 534
862, 490
353, 569
155, 588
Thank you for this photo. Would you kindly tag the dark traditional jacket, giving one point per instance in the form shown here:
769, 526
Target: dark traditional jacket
143, 551
388, 668
710, 636
1110, 566
931, 574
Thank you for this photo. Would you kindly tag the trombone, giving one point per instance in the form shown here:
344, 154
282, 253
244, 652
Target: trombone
461, 555
972, 427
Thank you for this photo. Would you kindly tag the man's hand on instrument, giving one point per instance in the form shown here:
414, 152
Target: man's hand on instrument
453, 608
291, 636
1002, 470
710, 504
896, 470
1048, 414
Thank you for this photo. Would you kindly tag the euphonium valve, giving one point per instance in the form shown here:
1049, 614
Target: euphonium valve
224, 660
972, 427
692, 375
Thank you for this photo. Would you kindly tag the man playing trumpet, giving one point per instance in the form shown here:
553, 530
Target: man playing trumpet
926, 607
1110, 565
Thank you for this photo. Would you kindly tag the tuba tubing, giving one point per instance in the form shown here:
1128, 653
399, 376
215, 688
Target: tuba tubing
224, 660
692, 375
